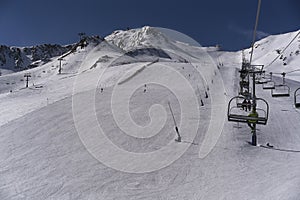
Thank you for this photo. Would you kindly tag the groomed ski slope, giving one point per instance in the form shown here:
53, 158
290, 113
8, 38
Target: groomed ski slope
42, 156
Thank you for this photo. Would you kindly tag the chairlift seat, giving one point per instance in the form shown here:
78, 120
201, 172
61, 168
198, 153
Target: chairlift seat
246, 119
269, 85
234, 114
262, 81
280, 95
285, 92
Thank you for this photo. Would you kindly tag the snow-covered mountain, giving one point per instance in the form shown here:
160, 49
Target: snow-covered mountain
279, 53
138, 38
13, 59
44, 151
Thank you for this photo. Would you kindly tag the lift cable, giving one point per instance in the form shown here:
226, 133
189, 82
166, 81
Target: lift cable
289, 72
255, 29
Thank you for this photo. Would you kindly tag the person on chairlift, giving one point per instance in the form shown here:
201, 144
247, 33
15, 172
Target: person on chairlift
251, 122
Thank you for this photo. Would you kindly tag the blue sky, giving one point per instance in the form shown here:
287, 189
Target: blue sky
228, 23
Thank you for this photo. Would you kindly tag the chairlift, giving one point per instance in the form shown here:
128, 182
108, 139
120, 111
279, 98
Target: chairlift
269, 85
297, 98
261, 81
281, 90
243, 73
246, 93
243, 102
244, 83
236, 114
260, 78
268, 77
257, 69
244, 87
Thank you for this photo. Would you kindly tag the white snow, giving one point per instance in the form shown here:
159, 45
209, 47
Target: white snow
43, 128
269, 48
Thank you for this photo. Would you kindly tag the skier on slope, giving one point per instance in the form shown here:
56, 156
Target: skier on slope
251, 122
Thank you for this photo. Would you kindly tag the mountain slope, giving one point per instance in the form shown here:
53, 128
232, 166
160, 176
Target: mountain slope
13, 59
44, 153
277, 55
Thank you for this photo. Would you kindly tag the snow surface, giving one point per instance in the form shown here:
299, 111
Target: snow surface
269, 48
43, 154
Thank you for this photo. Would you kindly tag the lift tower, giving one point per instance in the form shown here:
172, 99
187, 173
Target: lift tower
27, 75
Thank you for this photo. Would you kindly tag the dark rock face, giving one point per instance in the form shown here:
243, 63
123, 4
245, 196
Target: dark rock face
21, 58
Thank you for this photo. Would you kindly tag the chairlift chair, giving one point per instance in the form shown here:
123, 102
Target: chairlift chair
244, 84
246, 92
260, 78
240, 102
268, 77
281, 90
297, 98
269, 85
257, 69
236, 114
261, 81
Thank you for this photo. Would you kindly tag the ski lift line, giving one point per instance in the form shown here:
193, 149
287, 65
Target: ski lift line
255, 29
296, 70
284, 49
